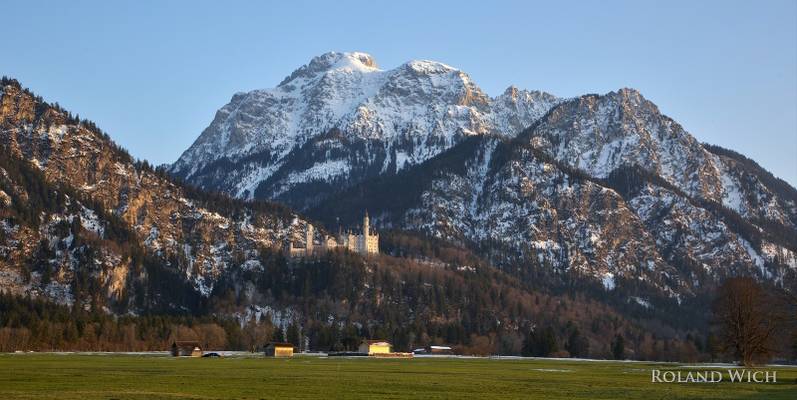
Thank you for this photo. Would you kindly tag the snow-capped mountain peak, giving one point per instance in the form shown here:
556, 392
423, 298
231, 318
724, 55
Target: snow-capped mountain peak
333, 62
396, 117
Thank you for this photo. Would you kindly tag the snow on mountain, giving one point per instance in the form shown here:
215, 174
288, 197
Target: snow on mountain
535, 211
259, 144
598, 134
528, 212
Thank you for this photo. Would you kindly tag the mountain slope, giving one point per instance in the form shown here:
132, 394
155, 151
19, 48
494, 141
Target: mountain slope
196, 236
523, 209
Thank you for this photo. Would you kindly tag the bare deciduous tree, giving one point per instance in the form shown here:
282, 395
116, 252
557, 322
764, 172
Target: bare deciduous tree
747, 318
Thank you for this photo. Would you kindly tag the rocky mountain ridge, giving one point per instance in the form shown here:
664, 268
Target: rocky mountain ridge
339, 119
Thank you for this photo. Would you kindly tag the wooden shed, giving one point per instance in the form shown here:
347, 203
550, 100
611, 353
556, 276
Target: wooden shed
440, 350
185, 348
374, 347
278, 349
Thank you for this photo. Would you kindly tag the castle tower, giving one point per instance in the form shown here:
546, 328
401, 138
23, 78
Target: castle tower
368, 243
309, 239
366, 225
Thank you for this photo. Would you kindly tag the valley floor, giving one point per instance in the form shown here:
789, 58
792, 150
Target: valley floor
240, 376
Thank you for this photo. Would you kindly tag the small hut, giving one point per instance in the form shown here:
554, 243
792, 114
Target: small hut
374, 347
185, 348
278, 349
440, 350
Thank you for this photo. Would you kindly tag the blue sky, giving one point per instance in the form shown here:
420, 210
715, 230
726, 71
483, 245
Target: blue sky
153, 74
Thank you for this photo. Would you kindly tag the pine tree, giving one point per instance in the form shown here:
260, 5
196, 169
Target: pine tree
577, 345
618, 347
292, 335
540, 344
548, 345
279, 335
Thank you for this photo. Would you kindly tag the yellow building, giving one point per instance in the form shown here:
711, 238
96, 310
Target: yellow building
275, 349
372, 347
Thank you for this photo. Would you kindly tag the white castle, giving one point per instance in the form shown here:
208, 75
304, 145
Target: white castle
366, 242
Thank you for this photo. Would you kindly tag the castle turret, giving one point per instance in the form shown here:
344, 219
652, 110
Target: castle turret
368, 243
309, 239
366, 225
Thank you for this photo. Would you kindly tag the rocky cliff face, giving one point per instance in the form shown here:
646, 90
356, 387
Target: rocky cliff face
193, 236
339, 120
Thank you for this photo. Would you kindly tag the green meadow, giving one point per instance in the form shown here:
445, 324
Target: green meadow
123, 376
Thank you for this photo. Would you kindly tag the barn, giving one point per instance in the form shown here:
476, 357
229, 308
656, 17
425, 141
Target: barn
185, 348
440, 350
371, 347
277, 349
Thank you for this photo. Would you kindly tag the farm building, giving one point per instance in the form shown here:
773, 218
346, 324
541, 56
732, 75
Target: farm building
186, 349
275, 349
442, 350
436, 350
374, 347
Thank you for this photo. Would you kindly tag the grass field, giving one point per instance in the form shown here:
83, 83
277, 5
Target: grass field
76, 376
